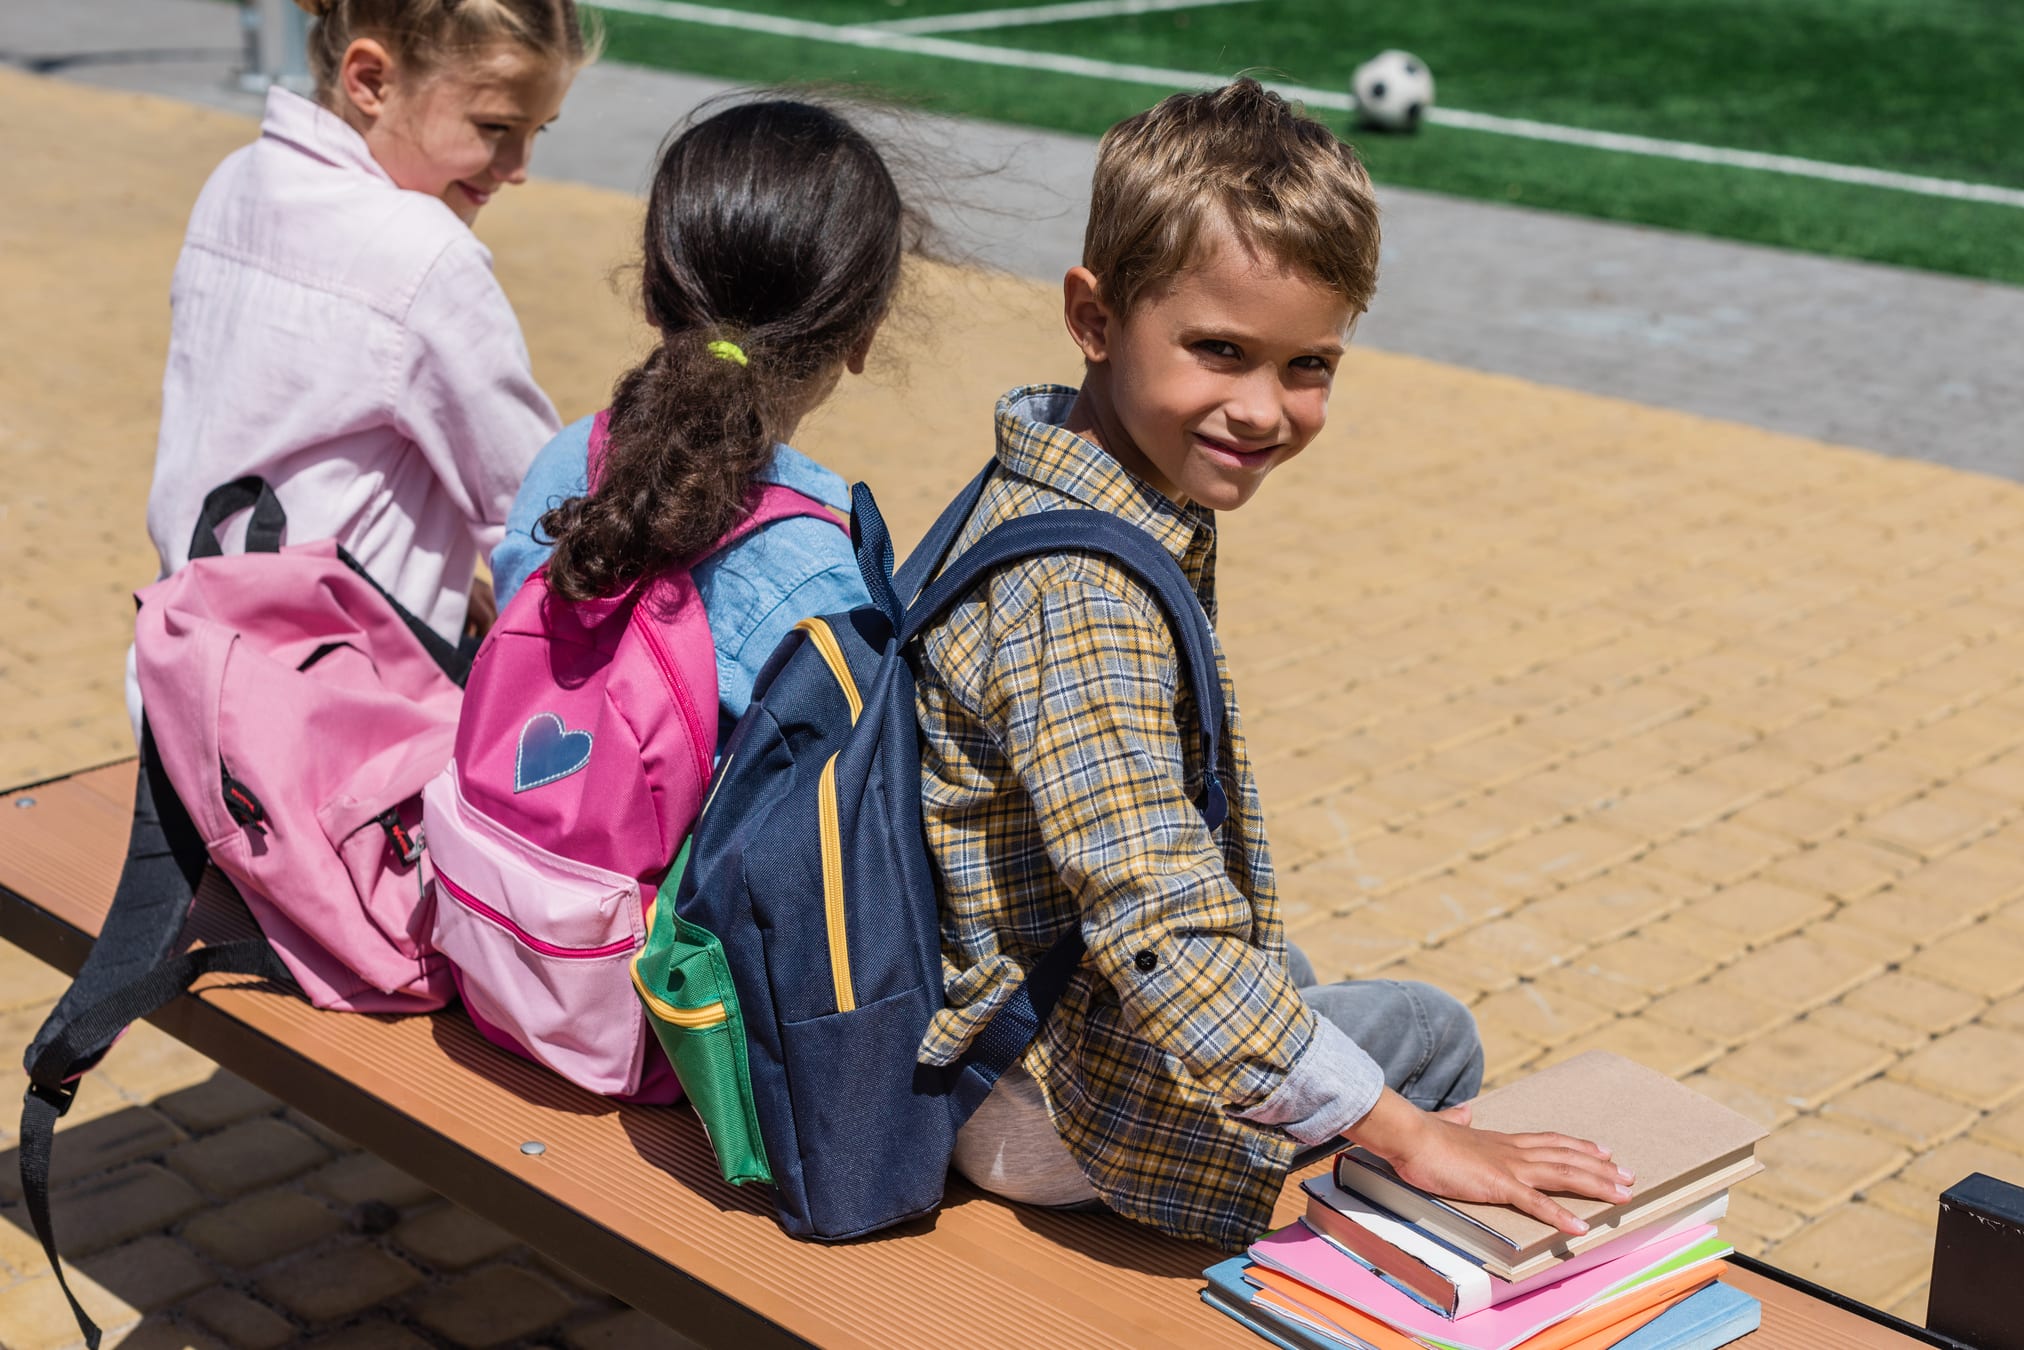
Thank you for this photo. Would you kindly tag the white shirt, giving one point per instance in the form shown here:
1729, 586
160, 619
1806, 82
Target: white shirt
344, 339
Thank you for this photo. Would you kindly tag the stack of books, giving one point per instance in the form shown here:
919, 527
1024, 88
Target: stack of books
1378, 1264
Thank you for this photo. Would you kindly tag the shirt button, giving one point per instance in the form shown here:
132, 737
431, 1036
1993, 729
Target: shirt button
1146, 961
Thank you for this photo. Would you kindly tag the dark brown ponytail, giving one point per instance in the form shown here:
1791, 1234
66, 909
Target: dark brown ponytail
771, 226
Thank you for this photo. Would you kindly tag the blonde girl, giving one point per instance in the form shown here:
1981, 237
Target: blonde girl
336, 328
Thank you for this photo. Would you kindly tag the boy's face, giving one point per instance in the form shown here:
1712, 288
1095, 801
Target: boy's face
1218, 377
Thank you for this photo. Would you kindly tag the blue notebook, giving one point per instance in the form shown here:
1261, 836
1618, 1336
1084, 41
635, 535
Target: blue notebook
1717, 1315
1230, 1294
1708, 1320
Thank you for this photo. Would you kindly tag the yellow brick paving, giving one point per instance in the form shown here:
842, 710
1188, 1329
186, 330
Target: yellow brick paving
1635, 729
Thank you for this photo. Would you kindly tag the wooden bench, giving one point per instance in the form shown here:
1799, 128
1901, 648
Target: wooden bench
630, 1198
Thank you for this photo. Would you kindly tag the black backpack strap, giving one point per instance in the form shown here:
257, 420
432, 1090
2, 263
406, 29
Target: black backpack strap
263, 535
165, 861
1152, 566
263, 531
132, 971
451, 658
1011, 1029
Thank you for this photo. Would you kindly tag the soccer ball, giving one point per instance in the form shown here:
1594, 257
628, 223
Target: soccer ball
1392, 89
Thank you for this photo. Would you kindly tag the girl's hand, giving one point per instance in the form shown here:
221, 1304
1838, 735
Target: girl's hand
484, 611
1442, 1154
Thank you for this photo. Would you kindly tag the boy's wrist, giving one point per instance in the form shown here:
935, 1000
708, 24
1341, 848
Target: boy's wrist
1391, 1128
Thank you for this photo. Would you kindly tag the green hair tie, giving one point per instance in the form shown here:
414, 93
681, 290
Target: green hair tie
728, 351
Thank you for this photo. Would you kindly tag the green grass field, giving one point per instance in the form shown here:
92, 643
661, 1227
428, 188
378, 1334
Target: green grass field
1927, 87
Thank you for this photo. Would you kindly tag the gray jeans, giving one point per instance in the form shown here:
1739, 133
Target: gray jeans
1423, 1039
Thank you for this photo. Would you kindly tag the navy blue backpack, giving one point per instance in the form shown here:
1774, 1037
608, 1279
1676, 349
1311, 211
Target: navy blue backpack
793, 976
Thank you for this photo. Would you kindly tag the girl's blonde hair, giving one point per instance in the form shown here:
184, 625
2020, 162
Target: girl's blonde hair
421, 33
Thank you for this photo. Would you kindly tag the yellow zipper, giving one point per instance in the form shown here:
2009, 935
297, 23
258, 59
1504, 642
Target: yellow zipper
694, 1019
832, 652
723, 772
832, 885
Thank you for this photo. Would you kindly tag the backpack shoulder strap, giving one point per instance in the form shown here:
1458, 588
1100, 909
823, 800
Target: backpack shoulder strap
1098, 532
873, 543
132, 972
782, 503
1012, 1028
933, 550
1003, 1039
775, 502
593, 459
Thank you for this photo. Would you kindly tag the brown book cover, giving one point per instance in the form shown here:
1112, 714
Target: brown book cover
1430, 1284
1677, 1142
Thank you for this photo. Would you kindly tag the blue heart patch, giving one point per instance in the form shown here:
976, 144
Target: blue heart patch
547, 752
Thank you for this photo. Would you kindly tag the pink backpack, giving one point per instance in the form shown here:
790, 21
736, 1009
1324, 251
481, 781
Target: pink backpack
582, 755
294, 712
299, 711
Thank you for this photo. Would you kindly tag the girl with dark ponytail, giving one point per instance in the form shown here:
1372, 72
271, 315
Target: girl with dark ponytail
656, 555
774, 235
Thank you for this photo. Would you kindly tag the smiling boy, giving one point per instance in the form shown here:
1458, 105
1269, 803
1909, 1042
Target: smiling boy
1232, 243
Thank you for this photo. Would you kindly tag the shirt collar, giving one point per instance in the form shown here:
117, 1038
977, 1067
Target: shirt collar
1033, 443
790, 468
317, 131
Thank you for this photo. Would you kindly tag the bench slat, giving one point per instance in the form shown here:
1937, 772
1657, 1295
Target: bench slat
630, 1197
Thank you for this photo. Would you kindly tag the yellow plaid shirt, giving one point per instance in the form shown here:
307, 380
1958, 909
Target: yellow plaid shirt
1059, 769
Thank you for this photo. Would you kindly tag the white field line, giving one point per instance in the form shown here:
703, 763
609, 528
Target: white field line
1734, 159
1061, 63
1018, 18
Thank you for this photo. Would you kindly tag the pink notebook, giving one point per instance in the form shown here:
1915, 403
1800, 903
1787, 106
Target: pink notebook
1306, 1256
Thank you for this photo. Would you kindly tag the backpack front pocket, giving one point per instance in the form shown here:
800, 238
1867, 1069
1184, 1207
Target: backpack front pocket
372, 822
540, 945
685, 986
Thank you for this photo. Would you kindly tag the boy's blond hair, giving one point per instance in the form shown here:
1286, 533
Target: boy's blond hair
1241, 157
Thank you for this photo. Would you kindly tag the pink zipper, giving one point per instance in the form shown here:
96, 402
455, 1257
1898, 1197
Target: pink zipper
679, 687
485, 911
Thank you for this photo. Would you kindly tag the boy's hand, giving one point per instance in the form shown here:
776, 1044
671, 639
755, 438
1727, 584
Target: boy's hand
1442, 1154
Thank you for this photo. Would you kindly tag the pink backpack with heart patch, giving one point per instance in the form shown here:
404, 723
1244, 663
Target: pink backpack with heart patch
582, 754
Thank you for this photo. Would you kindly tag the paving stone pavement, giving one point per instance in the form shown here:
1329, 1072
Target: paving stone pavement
195, 1210
1633, 728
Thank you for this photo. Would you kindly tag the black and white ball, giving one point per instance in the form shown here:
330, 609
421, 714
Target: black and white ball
1393, 90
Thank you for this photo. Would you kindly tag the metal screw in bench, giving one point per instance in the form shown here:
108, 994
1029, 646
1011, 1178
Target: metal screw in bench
23, 803
534, 1148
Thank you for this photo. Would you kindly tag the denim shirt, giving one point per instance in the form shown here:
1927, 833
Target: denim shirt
753, 592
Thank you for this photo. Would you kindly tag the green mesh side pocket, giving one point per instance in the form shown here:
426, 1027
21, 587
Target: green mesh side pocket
685, 984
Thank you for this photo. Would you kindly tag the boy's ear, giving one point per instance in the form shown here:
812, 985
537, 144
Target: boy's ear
1088, 318
365, 74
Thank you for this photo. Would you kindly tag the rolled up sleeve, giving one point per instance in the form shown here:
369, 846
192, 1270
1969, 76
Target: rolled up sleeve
1332, 1086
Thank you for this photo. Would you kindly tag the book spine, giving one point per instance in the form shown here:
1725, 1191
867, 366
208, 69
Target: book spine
1433, 1216
1402, 1270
